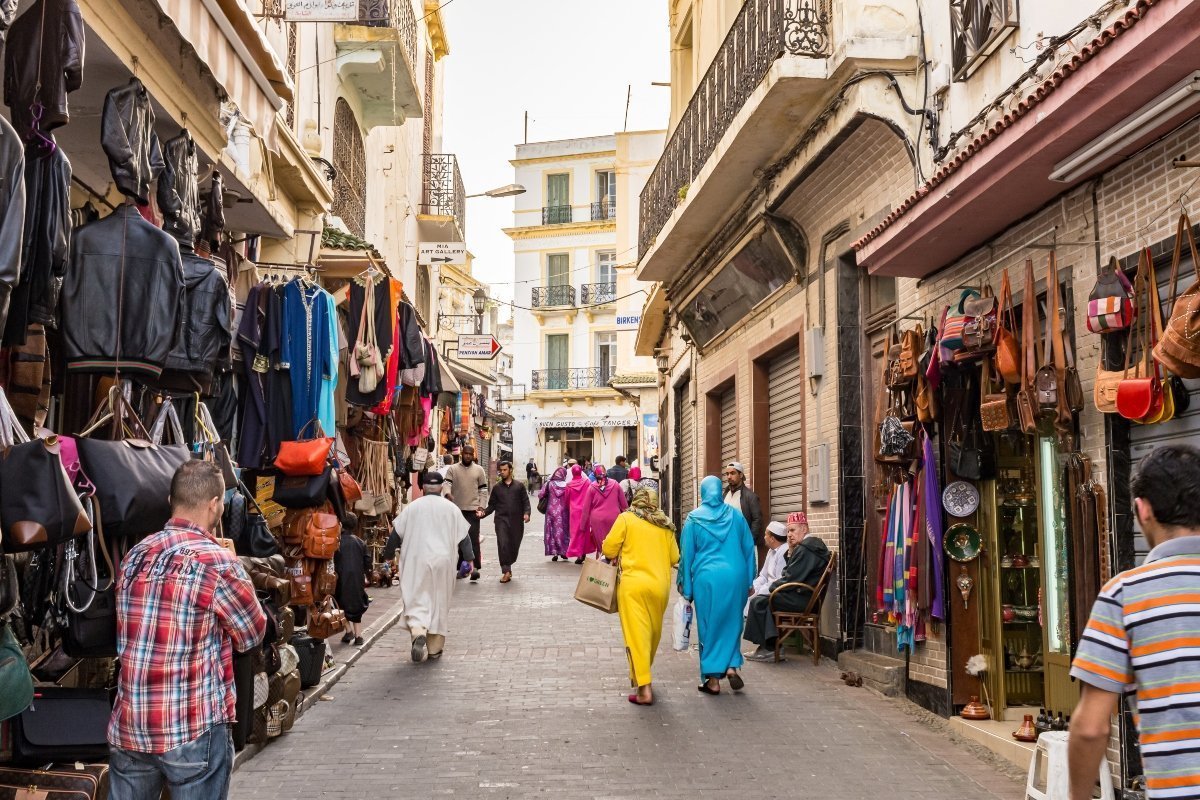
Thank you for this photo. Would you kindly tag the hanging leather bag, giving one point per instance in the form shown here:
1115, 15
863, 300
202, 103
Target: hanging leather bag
925, 397
894, 439
1027, 410
1166, 411
302, 491
305, 457
1179, 348
1046, 380
16, 683
89, 595
367, 363
969, 454
1110, 305
322, 536
38, 506
997, 409
981, 325
326, 620
1139, 394
1008, 347
904, 359
954, 322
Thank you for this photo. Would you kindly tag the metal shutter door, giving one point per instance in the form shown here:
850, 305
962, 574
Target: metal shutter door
687, 453
485, 455
1143, 439
785, 426
729, 438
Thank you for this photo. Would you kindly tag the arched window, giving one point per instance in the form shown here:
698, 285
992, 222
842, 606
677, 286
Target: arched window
350, 161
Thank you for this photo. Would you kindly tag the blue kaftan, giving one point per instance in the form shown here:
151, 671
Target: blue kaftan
308, 351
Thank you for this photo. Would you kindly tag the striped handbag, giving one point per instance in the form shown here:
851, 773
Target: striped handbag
1110, 305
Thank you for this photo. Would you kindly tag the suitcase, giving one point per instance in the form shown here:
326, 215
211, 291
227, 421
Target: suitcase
59, 782
312, 659
63, 724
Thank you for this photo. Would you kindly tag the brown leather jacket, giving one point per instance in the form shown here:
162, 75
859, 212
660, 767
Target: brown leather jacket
60, 71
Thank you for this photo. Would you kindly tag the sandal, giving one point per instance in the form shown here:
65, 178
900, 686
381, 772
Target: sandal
704, 687
633, 698
735, 682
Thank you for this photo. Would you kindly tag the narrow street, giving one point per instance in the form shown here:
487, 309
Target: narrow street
529, 701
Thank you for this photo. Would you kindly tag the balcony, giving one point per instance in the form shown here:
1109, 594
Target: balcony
557, 215
377, 56
461, 323
592, 294
553, 296
762, 89
443, 212
561, 380
604, 210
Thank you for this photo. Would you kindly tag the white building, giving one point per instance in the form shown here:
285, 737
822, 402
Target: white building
577, 304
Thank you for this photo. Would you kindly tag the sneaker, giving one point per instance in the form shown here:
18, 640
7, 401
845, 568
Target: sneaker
358, 641
418, 650
761, 655
347, 637
475, 575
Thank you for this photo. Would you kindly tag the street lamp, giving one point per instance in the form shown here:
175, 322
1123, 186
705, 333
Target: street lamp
511, 190
480, 301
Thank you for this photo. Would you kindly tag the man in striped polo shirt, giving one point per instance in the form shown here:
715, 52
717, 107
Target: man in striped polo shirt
1144, 636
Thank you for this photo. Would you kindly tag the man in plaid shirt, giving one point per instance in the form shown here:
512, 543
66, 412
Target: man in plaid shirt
184, 604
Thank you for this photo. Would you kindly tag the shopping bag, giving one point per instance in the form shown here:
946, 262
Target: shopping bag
681, 632
597, 585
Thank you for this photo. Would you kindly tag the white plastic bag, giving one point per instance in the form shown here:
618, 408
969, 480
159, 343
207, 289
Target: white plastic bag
681, 616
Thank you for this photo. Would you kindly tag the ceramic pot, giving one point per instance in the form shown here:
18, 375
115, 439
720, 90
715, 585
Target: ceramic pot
1007, 613
1026, 733
975, 710
1006, 560
1020, 561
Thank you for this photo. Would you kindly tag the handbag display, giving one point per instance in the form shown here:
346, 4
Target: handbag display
925, 397
302, 588
322, 536
903, 359
57, 782
210, 447
1179, 348
1046, 379
895, 442
981, 323
1110, 305
302, 491
969, 453
1104, 390
327, 581
953, 324
1165, 412
326, 619
62, 724
351, 491
997, 411
16, 684
38, 505
597, 586
295, 525
1027, 411
305, 457
89, 596
1008, 348
1139, 394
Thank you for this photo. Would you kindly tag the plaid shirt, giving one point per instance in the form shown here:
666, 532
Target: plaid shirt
184, 604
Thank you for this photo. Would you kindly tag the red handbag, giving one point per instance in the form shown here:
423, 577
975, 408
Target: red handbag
304, 457
1140, 395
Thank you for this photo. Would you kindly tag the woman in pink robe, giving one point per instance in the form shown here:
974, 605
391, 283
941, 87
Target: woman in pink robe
604, 501
576, 496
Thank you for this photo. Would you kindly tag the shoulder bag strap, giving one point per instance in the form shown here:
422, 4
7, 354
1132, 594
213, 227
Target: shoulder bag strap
1133, 338
1029, 341
1184, 229
1053, 300
1008, 315
1154, 325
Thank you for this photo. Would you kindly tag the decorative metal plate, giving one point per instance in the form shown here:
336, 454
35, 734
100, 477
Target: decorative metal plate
960, 499
963, 542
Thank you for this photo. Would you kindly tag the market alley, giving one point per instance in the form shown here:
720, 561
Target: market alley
529, 701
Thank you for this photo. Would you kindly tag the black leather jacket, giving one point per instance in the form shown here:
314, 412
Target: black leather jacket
149, 308
178, 195
205, 333
412, 346
128, 138
60, 44
752, 511
12, 212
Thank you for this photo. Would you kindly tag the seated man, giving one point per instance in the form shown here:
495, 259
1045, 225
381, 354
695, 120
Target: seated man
807, 558
772, 567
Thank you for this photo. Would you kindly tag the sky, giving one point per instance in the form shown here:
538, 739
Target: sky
569, 63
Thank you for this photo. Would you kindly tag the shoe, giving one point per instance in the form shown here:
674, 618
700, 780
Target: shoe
474, 574
580, 559
418, 649
735, 682
358, 641
506, 577
704, 688
435, 656
633, 698
555, 558
346, 638
757, 655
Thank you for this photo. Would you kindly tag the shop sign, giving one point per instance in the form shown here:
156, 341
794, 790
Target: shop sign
629, 321
321, 11
478, 348
429, 253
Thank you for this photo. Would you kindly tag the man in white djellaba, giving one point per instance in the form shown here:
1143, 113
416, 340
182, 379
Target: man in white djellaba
434, 539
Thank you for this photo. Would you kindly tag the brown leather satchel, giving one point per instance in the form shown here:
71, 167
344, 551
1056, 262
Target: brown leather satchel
981, 325
1179, 348
302, 586
326, 619
1046, 379
322, 536
1104, 391
1008, 347
327, 580
351, 491
996, 408
1026, 407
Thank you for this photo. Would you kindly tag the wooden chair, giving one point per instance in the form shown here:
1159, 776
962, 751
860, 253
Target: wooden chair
808, 622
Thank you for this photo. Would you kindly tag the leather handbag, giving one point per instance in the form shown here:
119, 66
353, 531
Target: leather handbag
38, 505
1046, 379
895, 442
1165, 412
326, 619
305, 457
251, 535
1139, 395
57, 782
295, 525
327, 581
1110, 305
981, 325
366, 363
954, 322
1008, 347
89, 595
1179, 348
925, 397
63, 724
968, 453
1027, 411
302, 588
302, 491
597, 585
904, 359
351, 491
16, 683
322, 536
1104, 390
997, 411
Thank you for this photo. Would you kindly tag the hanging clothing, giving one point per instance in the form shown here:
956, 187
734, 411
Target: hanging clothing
716, 570
352, 562
577, 489
603, 502
647, 553
392, 369
931, 502
308, 350
12, 212
327, 402
510, 503
204, 333
556, 526
43, 63
384, 320
431, 530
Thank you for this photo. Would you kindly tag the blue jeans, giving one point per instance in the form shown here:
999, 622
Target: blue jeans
198, 770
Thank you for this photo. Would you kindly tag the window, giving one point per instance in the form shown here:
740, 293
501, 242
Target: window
606, 356
557, 373
606, 267
292, 48
350, 161
558, 269
631, 444
423, 294
977, 28
605, 204
558, 199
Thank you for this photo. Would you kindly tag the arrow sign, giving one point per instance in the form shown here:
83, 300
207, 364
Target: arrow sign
478, 347
442, 253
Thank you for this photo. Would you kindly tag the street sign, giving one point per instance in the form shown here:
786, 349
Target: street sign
629, 322
478, 348
321, 11
442, 253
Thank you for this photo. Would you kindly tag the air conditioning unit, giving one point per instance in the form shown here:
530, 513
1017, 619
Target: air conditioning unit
818, 474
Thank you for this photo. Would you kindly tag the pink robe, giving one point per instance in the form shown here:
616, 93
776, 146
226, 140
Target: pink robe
603, 502
577, 489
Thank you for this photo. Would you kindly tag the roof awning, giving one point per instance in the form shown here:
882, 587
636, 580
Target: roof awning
468, 374
654, 322
1004, 174
584, 422
449, 382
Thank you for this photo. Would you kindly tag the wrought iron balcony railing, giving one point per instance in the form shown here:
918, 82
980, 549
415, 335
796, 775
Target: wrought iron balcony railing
461, 323
553, 296
444, 195
556, 215
603, 210
591, 294
763, 31
396, 14
573, 378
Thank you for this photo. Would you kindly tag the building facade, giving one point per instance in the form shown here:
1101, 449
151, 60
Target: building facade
575, 316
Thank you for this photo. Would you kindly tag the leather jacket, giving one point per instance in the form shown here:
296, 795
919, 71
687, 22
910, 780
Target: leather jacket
128, 138
205, 333
178, 194
412, 346
60, 45
149, 309
752, 511
12, 212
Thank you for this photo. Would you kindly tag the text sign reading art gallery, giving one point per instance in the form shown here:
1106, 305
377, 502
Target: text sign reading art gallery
321, 11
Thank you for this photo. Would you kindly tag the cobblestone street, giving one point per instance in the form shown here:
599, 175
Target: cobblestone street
529, 701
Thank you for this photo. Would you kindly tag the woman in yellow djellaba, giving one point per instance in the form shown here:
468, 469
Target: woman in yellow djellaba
644, 540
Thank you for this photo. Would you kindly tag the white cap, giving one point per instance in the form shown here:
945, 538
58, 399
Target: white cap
777, 529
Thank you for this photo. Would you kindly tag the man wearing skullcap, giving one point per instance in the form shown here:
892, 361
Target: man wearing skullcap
807, 557
772, 568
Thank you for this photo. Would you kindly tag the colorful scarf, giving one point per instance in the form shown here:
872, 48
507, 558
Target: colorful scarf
645, 506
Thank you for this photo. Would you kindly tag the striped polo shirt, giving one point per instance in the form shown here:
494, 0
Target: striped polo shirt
1144, 636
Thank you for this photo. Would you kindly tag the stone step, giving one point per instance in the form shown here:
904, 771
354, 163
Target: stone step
884, 675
